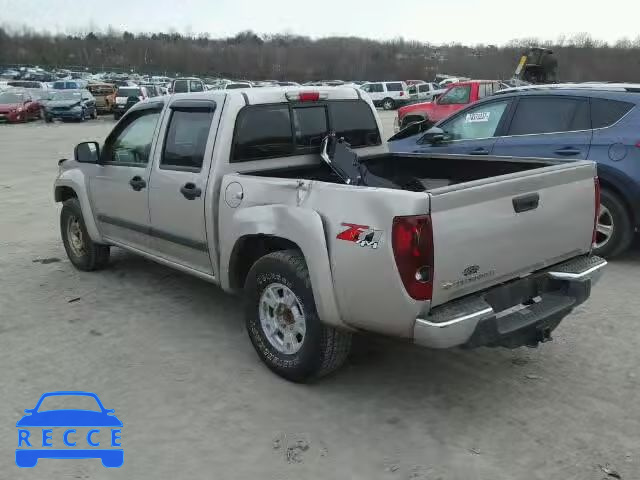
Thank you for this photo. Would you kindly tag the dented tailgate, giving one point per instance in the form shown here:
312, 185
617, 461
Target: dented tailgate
493, 230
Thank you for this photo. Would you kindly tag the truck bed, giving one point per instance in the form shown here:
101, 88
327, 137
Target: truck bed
499, 216
417, 173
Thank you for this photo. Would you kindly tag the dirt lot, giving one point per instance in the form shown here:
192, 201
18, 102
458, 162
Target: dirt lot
169, 353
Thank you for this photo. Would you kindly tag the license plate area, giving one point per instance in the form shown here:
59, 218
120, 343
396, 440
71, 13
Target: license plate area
523, 291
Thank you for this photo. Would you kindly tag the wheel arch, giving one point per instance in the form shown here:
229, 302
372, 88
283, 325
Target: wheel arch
253, 232
72, 184
623, 187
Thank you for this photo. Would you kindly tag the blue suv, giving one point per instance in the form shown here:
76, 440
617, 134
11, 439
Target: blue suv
564, 122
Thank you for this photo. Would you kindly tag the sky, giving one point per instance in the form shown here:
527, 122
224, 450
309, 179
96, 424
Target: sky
443, 21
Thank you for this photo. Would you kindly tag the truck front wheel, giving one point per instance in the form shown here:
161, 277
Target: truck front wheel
283, 323
84, 253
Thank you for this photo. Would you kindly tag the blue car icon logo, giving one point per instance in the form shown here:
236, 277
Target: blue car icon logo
66, 428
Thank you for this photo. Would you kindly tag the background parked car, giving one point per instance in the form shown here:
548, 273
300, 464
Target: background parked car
126, 97
70, 105
425, 92
388, 95
18, 106
455, 98
153, 90
31, 84
68, 85
103, 95
566, 123
236, 85
186, 85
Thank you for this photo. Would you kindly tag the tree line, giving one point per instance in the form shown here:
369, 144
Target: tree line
248, 55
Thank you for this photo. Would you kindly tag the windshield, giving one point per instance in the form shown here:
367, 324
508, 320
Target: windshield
65, 402
11, 97
65, 96
128, 92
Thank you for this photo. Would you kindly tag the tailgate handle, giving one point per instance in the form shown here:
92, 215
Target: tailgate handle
526, 202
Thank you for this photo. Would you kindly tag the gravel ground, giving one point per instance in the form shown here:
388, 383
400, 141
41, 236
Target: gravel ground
169, 353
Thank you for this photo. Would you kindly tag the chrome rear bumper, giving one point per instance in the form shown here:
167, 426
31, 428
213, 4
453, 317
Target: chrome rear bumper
472, 321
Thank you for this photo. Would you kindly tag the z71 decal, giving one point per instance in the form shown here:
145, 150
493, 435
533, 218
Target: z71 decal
362, 235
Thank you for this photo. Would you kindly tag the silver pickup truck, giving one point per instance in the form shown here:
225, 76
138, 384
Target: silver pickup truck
327, 235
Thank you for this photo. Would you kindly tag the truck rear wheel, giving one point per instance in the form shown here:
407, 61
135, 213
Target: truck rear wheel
84, 253
283, 323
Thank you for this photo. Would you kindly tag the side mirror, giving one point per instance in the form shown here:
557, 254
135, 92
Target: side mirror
433, 136
28, 410
87, 152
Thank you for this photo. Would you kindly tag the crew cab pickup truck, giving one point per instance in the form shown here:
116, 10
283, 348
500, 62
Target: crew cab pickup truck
329, 234
455, 98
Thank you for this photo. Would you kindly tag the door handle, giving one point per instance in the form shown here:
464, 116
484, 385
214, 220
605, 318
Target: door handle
479, 151
567, 151
526, 202
137, 183
190, 191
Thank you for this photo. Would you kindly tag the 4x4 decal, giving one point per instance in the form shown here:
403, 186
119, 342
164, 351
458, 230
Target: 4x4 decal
362, 235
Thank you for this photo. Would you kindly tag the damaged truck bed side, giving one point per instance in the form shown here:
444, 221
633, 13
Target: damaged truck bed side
445, 251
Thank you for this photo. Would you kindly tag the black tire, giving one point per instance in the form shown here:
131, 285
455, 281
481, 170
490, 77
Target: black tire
94, 114
48, 119
93, 256
116, 116
83, 115
388, 104
622, 235
323, 348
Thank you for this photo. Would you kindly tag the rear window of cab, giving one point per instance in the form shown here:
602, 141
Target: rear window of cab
280, 130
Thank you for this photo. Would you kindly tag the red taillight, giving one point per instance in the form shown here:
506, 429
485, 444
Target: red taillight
597, 210
402, 94
412, 241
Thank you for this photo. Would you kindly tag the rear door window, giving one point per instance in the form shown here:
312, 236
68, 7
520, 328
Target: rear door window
394, 87
376, 88
605, 113
535, 115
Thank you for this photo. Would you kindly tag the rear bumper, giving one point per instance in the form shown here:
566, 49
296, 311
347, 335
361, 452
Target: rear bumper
522, 312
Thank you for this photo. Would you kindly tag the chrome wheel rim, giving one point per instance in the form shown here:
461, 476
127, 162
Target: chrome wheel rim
75, 236
387, 105
604, 227
282, 318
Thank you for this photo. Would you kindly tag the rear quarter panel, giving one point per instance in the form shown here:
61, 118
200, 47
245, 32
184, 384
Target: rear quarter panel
362, 281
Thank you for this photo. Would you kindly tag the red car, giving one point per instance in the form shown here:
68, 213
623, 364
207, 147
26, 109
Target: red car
19, 106
457, 96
